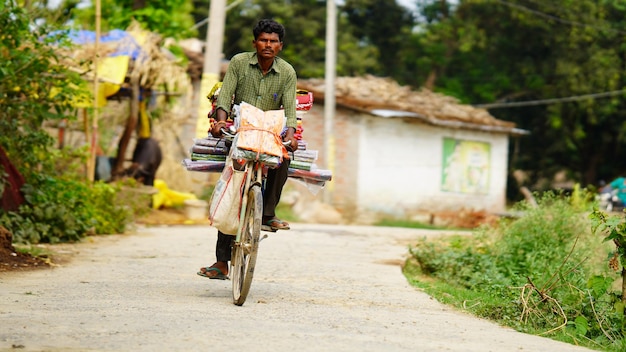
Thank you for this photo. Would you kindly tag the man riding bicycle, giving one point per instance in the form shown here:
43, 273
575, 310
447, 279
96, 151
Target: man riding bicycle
268, 82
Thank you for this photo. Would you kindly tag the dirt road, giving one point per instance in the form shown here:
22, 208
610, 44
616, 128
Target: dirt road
316, 288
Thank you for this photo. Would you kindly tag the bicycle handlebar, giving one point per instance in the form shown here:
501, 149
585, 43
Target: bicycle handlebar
228, 133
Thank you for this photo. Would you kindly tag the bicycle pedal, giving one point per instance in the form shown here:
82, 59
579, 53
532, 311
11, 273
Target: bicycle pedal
268, 228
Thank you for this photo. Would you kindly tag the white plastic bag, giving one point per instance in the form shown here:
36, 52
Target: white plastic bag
226, 199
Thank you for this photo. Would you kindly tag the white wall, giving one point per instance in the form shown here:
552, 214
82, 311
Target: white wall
400, 168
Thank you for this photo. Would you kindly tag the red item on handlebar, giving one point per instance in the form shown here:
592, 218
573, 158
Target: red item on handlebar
304, 100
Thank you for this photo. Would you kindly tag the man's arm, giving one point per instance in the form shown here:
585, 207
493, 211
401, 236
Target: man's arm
289, 105
289, 100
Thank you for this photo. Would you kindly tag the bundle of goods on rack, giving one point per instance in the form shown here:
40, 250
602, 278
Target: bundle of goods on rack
208, 154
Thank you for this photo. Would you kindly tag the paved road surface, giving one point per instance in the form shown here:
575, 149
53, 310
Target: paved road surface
316, 288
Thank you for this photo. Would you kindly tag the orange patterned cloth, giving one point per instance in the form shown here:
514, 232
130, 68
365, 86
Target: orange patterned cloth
260, 130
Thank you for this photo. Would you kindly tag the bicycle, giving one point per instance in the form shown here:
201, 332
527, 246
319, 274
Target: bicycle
246, 242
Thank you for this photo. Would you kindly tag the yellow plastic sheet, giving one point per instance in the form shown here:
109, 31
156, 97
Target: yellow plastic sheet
167, 198
144, 121
113, 69
111, 74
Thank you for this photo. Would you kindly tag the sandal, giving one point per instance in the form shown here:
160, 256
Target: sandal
275, 224
218, 276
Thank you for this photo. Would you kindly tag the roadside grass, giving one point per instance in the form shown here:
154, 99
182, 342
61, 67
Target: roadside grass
500, 310
284, 212
407, 224
35, 251
545, 274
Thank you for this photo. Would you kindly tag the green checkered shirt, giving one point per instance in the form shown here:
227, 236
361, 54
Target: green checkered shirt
245, 81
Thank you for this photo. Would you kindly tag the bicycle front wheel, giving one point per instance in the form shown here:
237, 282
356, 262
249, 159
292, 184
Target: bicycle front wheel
245, 251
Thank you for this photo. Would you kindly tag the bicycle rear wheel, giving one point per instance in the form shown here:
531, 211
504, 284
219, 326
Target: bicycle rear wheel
245, 251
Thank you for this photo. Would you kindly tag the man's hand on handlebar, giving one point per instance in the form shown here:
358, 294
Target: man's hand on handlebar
216, 129
290, 140
291, 144
220, 122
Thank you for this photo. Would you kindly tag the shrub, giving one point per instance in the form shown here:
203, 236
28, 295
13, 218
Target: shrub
61, 210
36, 88
544, 272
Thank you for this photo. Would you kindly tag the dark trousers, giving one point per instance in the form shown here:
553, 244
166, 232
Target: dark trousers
274, 183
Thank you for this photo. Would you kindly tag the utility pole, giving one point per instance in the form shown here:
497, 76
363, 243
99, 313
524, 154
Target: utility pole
214, 38
212, 60
329, 90
93, 142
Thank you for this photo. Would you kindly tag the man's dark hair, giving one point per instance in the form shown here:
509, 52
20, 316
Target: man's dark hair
269, 26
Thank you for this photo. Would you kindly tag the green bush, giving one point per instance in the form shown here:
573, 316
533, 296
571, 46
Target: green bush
62, 210
543, 273
35, 88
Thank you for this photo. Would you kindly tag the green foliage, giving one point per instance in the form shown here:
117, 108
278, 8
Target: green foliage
405, 224
65, 210
284, 212
483, 51
304, 44
384, 25
34, 88
206, 193
479, 51
543, 273
614, 227
34, 251
170, 18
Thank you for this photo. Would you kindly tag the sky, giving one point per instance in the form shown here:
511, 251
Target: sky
409, 4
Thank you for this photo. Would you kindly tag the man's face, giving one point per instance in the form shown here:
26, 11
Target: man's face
267, 45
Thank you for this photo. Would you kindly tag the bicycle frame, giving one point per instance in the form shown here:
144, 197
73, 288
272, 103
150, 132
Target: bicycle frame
246, 241
257, 171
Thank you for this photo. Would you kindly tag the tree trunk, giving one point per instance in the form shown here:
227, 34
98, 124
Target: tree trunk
590, 170
11, 198
139, 4
430, 81
131, 124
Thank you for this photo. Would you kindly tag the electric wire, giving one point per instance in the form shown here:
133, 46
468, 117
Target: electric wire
558, 19
551, 101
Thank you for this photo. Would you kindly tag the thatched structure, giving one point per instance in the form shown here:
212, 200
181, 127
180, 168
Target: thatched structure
152, 64
369, 93
151, 68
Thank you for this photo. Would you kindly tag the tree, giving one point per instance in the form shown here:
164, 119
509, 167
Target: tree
34, 87
304, 47
523, 51
170, 18
384, 25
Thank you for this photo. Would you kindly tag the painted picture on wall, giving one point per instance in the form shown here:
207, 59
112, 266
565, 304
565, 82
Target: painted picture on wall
466, 166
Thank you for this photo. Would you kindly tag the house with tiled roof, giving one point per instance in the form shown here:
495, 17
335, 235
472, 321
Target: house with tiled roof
396, 152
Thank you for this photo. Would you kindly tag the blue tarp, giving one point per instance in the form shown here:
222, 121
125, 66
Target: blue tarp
126, 43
